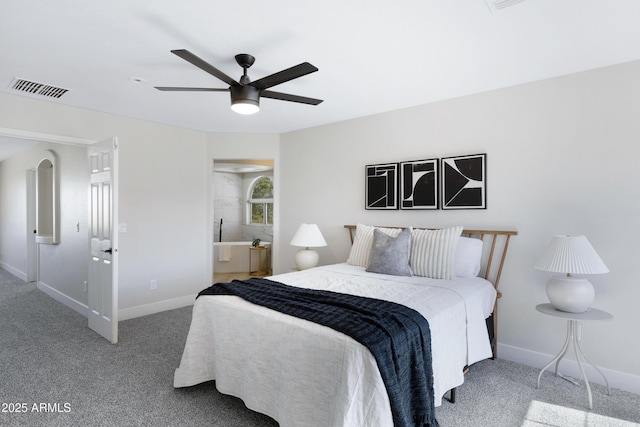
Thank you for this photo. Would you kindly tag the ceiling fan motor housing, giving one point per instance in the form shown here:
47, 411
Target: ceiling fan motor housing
245, 95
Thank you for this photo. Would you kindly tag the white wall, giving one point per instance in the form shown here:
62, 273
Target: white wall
163, 186
13, 214
164, 182
60, 267
562, 157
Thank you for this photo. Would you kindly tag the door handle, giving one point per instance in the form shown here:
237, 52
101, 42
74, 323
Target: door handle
108, 251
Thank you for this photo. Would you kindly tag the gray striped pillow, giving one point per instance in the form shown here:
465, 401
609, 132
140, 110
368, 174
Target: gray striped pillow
361, 247
433, 251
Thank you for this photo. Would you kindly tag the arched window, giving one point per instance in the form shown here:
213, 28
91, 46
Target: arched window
261, 201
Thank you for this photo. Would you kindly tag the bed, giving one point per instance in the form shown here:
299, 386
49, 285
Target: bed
304, 374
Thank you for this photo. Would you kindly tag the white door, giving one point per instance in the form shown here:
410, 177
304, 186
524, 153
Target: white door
103, 261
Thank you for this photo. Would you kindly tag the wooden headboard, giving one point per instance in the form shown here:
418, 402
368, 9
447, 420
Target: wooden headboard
496, 246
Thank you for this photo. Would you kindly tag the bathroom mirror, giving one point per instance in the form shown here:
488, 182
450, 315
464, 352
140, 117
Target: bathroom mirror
47, 200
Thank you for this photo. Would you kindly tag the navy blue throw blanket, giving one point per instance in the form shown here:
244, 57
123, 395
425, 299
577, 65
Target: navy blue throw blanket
397, 336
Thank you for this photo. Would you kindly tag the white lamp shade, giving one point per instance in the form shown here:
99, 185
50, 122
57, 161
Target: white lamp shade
571, 255
308, 236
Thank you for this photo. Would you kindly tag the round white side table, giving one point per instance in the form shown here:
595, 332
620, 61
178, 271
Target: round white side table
573, 320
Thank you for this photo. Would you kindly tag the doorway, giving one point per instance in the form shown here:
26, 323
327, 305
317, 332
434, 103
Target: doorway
32, 247
43, 256
239, 220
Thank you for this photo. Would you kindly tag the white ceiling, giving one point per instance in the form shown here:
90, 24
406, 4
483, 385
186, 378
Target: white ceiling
374, 56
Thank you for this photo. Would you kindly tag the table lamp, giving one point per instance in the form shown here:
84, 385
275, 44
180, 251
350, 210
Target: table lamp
307, 236
571, 255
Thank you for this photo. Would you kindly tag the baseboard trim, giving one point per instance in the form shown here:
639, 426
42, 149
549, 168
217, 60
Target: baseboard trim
619, 380
64, 299
155, 307
19, 274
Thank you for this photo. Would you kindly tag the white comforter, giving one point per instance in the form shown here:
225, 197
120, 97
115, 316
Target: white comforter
304, 374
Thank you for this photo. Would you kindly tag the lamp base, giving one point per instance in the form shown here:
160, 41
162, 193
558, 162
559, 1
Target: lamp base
570, 294
306, 258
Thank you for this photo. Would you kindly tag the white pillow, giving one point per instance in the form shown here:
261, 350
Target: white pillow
361, 247
433, 251
468, 257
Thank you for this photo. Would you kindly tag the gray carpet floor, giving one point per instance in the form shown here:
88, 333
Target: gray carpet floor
57, 372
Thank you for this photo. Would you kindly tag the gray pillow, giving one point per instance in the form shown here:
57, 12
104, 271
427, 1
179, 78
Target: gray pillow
390, 255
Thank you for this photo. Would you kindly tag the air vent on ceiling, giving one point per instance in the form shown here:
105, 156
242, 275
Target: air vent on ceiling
23, 85
501, 4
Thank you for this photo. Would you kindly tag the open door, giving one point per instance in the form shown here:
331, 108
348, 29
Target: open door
103, 260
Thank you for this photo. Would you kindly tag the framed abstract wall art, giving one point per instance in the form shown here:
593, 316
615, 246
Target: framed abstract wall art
419, 184
381, 186
464, 182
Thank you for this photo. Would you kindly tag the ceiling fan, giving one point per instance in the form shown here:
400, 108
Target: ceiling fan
245, 94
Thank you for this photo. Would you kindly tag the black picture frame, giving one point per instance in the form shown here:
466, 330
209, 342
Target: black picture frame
419, 184
381, 186
464, 182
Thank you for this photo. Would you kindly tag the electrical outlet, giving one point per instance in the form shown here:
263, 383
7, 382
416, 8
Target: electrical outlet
154, 284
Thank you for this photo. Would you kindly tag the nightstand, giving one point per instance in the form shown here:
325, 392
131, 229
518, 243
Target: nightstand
573, 336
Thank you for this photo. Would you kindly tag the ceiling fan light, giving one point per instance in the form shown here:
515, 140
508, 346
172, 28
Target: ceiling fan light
245, 99
245, 107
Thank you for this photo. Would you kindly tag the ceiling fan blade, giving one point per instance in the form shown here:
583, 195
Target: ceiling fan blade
284, 76
190, 89
286, 97
203, 65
